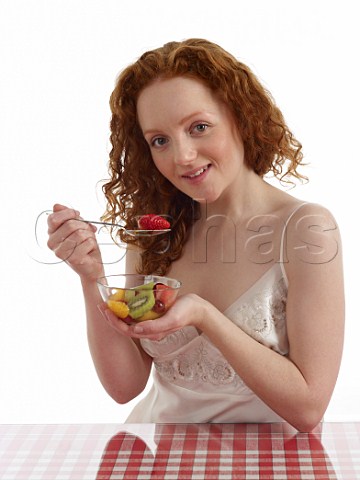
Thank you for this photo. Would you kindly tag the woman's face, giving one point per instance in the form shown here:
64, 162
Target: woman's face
192, 137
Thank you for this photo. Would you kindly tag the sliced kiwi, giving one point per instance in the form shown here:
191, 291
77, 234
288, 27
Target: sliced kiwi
130, 293
146, 286
141, 303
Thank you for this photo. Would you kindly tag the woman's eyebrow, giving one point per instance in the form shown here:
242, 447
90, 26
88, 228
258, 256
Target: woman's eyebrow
181, 122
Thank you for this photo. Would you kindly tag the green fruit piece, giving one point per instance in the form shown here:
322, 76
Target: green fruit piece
141, 303
131, 292
145, 286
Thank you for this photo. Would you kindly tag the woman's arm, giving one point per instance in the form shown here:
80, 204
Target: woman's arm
299, 386
121, 364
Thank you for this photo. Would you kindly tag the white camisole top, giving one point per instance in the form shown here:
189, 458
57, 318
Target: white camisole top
194, 383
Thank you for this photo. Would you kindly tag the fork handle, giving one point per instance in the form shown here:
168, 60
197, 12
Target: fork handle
101, 223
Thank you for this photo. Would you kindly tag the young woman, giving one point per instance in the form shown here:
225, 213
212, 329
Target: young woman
257, 332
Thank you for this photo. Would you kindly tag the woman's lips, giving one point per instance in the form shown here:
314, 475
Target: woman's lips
196, 174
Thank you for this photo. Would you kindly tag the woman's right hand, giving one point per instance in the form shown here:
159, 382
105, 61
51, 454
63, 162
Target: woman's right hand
74, 242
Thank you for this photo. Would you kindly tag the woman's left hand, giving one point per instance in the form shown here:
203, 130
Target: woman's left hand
188, 309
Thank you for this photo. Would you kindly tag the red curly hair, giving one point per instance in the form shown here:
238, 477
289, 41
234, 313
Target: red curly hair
136, 187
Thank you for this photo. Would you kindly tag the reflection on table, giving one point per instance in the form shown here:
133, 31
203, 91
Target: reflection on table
179, 451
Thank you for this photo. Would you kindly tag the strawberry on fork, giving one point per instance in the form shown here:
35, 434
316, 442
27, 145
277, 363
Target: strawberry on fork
152, 221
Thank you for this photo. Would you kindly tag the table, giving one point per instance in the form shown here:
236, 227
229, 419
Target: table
179, 451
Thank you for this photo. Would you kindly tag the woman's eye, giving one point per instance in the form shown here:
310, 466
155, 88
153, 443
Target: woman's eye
200, 127
158, 142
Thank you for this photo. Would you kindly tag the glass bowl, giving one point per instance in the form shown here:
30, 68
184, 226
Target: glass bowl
135, 298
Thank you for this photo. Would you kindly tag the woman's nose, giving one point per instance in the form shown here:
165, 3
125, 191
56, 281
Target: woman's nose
184, 152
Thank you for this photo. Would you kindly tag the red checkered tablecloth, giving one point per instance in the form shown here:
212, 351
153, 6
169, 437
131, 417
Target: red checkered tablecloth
182, 451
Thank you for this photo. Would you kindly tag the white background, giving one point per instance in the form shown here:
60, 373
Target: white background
59, 61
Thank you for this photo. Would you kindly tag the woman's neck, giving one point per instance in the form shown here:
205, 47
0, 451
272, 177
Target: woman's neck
246, 197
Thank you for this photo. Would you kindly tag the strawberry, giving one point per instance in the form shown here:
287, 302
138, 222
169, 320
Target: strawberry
164, 294
144, 222
151, 221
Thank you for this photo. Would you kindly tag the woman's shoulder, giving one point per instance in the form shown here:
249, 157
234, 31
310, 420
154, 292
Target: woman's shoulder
310, 228
311, 232
313, 215
293, 209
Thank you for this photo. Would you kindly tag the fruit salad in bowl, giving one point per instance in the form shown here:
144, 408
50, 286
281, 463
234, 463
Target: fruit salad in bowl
135, 298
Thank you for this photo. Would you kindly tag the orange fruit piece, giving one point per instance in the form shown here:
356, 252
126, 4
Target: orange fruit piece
120, 308
118, 295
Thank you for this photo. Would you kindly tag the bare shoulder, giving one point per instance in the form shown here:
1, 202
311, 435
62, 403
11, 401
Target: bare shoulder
303, 208
303, 220
312, 235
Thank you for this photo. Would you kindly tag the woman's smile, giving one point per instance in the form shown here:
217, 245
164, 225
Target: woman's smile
197, 175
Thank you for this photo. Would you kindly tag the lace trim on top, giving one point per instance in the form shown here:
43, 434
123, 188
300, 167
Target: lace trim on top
185, 357
264, 317
198, 366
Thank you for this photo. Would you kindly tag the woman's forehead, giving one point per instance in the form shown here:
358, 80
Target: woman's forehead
177, 96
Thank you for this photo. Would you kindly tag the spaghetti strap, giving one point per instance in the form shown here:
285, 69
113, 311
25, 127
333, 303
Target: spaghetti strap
283, 241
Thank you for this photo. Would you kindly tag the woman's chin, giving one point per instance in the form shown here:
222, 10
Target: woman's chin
210, 197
